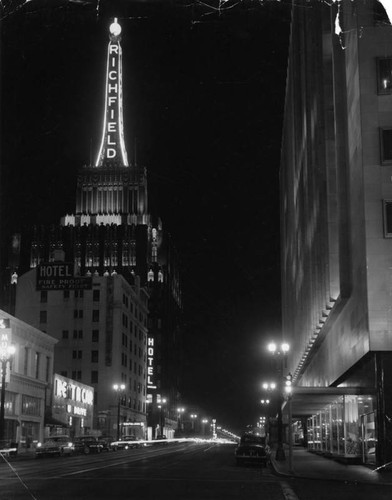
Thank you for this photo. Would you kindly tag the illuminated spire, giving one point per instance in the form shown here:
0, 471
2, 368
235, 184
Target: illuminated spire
112, 151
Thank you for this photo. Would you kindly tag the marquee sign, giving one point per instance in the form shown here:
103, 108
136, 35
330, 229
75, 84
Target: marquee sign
72, 399
60, 276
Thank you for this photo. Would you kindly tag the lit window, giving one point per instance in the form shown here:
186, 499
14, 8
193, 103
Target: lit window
384, 75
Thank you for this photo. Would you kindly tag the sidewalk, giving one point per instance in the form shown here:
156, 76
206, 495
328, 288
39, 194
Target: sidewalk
311, 466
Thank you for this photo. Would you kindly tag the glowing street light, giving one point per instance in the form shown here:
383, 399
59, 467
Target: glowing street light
280, 351
119, 388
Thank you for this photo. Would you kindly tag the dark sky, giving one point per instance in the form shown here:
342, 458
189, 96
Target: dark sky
203, 100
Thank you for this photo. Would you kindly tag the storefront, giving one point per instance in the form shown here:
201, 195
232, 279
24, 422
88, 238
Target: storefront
345, 428
341, 424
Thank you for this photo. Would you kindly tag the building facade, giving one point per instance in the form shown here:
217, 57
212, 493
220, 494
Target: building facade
126, 282
28, 382
336, 188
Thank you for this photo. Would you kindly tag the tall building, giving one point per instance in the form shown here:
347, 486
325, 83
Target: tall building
336, 194
105, 281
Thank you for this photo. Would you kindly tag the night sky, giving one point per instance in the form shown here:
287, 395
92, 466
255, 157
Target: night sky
203, 102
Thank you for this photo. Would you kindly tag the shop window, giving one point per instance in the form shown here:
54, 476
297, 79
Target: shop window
386, 145
31, 406
387, 213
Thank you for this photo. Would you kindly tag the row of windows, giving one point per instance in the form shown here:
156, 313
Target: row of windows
78, 313
66, 295
134, 310
37, 366
78, 334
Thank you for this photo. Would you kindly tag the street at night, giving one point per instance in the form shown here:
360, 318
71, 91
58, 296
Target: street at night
184, 471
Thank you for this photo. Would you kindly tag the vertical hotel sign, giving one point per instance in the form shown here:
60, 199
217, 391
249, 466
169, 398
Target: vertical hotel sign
150, 363
112, 148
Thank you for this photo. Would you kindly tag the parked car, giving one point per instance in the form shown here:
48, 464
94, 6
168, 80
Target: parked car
127, 442
252, 449
89, 444
55, 445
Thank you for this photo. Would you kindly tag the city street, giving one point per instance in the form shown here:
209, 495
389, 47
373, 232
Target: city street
176, 471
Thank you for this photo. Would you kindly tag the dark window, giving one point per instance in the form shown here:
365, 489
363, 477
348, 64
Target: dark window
387, 206
95, 336
77, 354
79, 293
80, 334
66, 294
44, 296
43, 317
384, 75
94, 377
65, 334
75, 334
96, 295
386, 145
96, 315
26, 360
37, 364
64, 373
81, 313
75, 313
94, 356
47, 373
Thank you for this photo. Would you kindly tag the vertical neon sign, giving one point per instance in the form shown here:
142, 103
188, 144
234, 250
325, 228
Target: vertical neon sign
112, 148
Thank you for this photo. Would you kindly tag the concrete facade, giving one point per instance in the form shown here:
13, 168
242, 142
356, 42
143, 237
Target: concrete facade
336, 256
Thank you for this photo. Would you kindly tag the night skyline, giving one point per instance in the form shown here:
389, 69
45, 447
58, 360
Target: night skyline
204, 101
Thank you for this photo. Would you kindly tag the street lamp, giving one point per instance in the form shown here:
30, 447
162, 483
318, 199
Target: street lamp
280, 351
161, 402
180, 411
7, 350
119, 388
193, 417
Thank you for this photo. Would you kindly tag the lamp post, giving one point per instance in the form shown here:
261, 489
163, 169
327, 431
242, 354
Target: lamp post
180, 411
6, 352
193, 417
204, 422
161, 402
119, 388
280, 352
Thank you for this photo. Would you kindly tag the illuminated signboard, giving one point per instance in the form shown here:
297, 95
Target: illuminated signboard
150, 364
60, 276
5, 348
112, 146
72, 399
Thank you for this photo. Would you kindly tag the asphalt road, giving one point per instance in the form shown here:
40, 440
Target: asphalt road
185, 471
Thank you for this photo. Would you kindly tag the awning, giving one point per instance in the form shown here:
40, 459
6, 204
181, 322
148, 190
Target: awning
306, 401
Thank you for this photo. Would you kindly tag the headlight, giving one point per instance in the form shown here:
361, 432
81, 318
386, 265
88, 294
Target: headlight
39, 445
70, 445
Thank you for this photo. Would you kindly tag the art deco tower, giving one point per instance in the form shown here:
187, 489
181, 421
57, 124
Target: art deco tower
112, 240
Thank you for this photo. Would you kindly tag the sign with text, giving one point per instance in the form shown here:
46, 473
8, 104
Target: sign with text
60, 276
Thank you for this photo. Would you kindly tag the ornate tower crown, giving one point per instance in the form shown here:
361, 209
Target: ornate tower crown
112, 152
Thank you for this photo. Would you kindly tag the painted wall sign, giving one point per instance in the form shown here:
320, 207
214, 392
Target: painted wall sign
60, 276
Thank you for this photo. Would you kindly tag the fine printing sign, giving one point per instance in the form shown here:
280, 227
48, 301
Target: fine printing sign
60, 276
